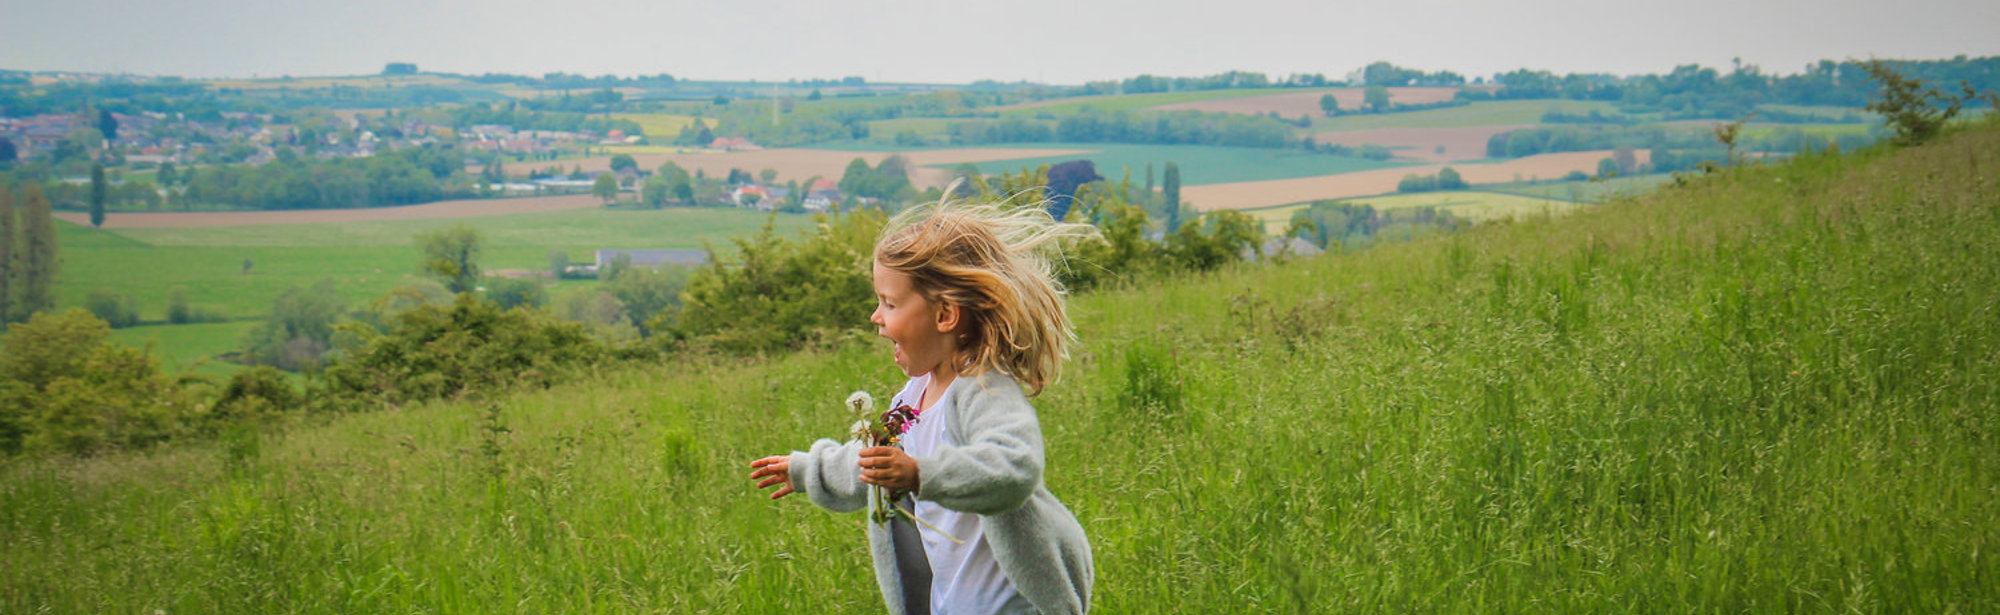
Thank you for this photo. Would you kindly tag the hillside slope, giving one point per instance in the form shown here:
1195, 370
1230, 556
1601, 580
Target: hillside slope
1773, 389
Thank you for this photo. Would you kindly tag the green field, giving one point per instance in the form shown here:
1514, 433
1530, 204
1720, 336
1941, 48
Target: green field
363, 259
1132, 102
1200, 164
1468, 204
1483, 113
1772, 390
1588, 191
190, 348
657, 125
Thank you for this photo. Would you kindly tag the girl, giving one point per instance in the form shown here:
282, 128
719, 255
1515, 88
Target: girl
967, 295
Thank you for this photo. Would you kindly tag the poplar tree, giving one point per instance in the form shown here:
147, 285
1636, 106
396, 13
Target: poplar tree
97, 190
6, 252
37, 260
1170, 184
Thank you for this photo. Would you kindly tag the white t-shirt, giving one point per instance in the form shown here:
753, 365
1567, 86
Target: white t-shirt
965, 579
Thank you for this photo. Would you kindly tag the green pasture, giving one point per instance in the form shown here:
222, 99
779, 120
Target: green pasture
1588, 191
1769, 391
192, 347
658, 125
1132, 102
363, 259
1468, 204
1199, 164
1828, 112
1482, 113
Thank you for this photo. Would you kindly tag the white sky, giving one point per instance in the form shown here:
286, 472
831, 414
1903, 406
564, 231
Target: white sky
1056, 41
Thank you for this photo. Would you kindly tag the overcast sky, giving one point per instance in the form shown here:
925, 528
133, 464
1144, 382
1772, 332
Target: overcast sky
1056, 41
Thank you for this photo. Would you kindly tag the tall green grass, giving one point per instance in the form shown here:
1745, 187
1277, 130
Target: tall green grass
1768, 390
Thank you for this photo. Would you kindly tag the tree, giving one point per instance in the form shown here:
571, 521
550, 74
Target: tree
620, 162
107, 124
1329, 105
452, 255
97, 190
1170, 186
768, 175
1064, 178
1376, 98
7, 153
1449, 179
606, 188
399, 68
166, 176
1607, 167
37, 254
655, 191
684, 191
7, 260
300, 328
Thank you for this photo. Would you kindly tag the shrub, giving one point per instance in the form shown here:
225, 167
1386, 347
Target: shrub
472, 345
119, 311
300, 328
257, 394
65, 387
782, 293
509, 293
180, 313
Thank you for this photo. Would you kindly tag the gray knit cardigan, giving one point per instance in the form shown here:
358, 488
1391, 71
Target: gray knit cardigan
996, 473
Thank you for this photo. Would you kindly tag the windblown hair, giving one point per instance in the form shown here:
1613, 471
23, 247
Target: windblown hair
996, 262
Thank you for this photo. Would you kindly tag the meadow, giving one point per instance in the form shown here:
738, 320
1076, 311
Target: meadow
1199, 164
1127, 102
364, 259
1482, 113
1475, 205
1770, 390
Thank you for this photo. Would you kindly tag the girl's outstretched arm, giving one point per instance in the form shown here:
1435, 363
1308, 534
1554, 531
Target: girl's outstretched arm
779, 469
830, 475
1000, 464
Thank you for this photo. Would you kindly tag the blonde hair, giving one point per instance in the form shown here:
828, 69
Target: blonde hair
996, 262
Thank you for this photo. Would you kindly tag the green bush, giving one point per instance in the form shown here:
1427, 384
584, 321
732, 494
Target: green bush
255, 395
179, 312
472, 345
65, 387
509, 293
780, 294
119, 311
300, 329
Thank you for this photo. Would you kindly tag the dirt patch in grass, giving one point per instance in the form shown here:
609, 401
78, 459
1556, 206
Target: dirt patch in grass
442, 209
1460, 143
1245, 195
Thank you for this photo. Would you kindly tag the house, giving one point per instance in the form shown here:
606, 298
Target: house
821, 195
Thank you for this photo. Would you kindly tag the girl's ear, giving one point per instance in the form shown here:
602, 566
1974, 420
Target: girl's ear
948, 316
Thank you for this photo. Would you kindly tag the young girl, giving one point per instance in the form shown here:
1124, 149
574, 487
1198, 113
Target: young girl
967, 295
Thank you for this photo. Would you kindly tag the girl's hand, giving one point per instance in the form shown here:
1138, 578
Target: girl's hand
779, 469
888, 466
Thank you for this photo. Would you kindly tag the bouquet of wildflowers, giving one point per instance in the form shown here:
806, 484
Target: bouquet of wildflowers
885, 429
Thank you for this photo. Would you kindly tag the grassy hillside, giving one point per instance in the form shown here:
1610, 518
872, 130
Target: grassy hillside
1771, 390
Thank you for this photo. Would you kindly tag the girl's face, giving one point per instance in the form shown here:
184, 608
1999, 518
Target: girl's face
920, 329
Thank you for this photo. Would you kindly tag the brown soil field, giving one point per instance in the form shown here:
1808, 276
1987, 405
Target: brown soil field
441, 209
1248, 195
1295, 104
1463, 143
802, 164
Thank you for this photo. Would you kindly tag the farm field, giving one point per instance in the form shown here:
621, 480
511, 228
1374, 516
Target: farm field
1200, 164
1295, 103
1482, 113
464, 208
1474, 205
1458, 143
1589, 191
657, 125
1771, 391
364, 259
1269, 193
804, 163
1127, 102
192, 347
357, 81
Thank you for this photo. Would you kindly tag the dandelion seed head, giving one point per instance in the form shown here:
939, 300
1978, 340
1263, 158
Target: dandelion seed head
861, 403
